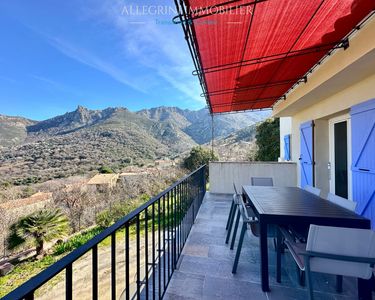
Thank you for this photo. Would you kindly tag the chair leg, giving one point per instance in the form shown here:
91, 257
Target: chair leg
275, 244
231, 224
239, 247
339, 283
230, 215
308, 277
301, 276
278, 255
235, 230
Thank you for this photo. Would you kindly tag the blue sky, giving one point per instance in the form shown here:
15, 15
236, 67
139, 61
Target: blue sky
55, 55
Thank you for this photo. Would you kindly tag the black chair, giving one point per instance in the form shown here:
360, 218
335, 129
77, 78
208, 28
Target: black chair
247, 220
262, 181
296, 246
234, 216
250, 221
255, 228
341, 256
232, 212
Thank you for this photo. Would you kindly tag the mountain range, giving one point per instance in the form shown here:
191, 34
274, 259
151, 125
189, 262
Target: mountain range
84, 139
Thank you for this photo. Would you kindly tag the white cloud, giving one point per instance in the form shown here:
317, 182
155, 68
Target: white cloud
87, 58
160, 47
48, 81
7, 79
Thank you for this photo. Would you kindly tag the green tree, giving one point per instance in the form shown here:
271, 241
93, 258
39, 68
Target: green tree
105, 170
268, 140
38, 228
198, 156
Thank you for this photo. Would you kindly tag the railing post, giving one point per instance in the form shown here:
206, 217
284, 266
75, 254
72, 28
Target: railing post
69, 282
30, 296
159, 251
146, 253
95, 272
176, 254
204, 179
138, 242
164, 260
153, 252
127, 271
192, 199
113, 265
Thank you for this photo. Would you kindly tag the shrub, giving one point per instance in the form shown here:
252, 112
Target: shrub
109, 216
38, 228
105, 170
127, 160
76, 241
268, 140
198, 156
104, 218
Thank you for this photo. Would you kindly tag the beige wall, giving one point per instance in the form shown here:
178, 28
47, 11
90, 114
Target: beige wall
322, 111
224, 174
321, 142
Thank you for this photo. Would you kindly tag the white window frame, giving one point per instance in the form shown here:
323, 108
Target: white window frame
331, 122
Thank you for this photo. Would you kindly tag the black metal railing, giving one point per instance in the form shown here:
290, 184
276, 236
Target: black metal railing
161, 225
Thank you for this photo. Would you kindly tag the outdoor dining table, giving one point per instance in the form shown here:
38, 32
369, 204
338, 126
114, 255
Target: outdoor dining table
297, 207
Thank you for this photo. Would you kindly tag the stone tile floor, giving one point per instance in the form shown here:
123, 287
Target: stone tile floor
204, 270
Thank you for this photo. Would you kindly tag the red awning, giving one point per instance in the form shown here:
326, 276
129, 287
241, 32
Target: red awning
250, 53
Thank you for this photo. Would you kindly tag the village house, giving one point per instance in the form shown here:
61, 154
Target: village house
104, 181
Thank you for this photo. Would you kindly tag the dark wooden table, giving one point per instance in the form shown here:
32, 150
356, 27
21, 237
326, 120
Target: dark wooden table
295, 206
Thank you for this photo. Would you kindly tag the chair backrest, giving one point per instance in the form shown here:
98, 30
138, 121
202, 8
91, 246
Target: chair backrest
262, 181
345, 203
352, 242
312, 190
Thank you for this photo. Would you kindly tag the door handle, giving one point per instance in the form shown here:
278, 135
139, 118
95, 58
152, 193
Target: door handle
364, 170
329, 170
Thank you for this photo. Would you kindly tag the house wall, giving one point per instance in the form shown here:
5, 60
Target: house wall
222, 175
321, 142
322, 111
285, 128
345, 79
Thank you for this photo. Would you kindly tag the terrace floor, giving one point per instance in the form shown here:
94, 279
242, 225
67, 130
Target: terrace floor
204, 270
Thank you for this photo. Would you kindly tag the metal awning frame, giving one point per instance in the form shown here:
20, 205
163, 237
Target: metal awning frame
185, 18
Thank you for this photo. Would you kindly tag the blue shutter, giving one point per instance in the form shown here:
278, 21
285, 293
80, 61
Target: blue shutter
287, 147
307, 153
363, 158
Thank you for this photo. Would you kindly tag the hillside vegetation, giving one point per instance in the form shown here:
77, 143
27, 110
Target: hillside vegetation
83, 140
237, 146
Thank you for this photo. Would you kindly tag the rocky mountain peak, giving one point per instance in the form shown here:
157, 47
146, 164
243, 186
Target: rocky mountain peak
81, 115
166, 123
